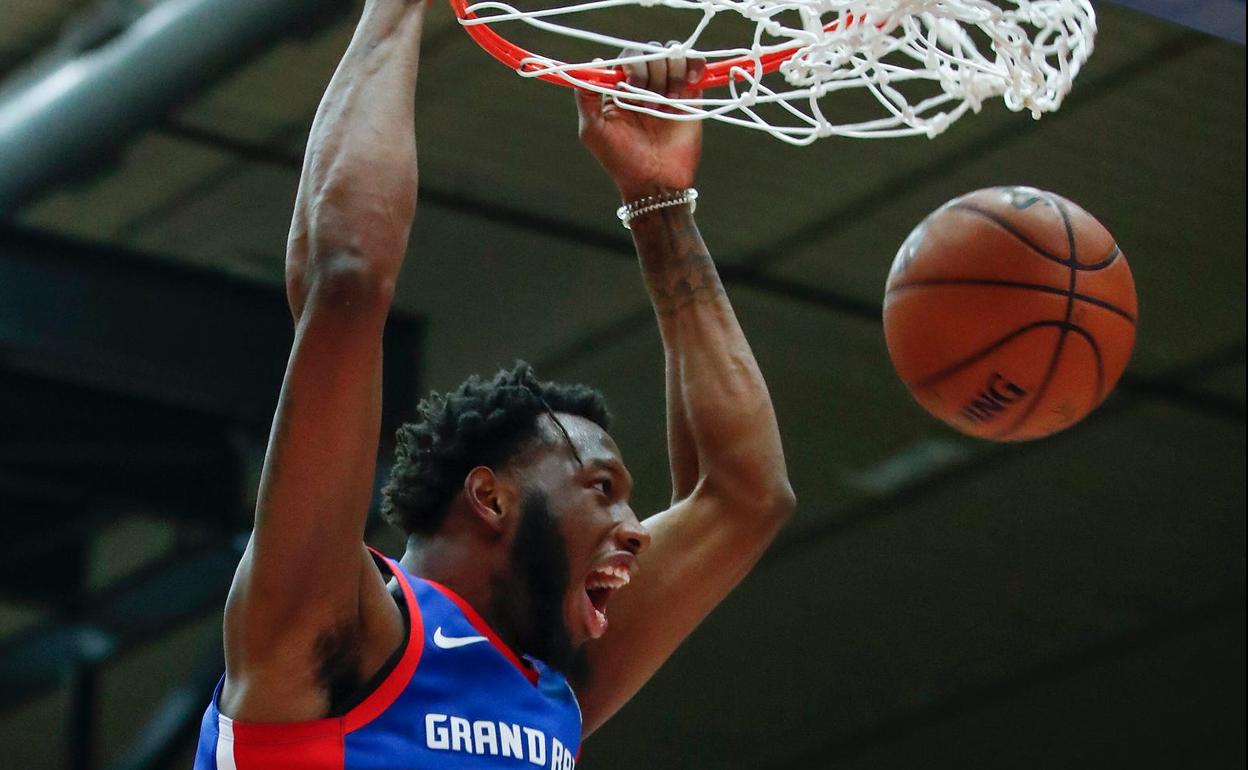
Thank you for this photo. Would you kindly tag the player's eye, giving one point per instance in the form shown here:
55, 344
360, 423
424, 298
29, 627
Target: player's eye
603, 485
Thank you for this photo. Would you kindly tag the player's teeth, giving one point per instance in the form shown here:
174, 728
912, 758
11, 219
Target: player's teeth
602, 616
609, 577
616, 575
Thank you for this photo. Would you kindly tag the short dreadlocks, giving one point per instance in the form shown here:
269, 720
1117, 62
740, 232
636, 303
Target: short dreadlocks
481, 422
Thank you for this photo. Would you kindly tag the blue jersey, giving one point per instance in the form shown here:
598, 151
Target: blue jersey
457, 698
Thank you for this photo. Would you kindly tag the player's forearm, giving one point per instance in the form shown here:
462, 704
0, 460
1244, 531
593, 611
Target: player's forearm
357, 195
681, 450
726, 408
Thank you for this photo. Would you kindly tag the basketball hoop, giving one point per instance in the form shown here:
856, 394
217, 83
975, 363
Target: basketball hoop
924, 62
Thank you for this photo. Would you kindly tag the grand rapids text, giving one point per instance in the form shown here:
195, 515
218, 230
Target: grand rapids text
483, 737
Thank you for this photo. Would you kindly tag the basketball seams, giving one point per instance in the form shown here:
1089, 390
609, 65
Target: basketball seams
1114, 253
932, 283
1032, 405
983, 352
1096, 355
1009, 227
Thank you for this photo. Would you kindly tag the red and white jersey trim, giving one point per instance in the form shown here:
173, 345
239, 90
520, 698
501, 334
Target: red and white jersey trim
225, 743
318, 743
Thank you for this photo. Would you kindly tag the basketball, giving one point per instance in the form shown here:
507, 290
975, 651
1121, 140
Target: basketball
1010, 313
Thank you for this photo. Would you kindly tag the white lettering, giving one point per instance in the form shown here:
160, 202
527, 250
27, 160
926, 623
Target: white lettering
461, 738
560, 757
483, 735
537, 746
509, 737
436, 736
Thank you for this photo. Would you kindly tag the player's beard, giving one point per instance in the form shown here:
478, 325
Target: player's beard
531, 597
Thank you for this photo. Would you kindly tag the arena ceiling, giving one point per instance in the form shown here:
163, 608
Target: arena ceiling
936, 600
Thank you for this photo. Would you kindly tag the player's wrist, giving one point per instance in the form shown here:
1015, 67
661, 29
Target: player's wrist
635, 191
659, 179
684, 199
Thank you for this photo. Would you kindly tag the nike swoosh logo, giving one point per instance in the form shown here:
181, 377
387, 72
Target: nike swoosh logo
451, 642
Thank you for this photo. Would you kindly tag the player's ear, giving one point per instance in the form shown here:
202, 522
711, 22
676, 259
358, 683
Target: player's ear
489, 498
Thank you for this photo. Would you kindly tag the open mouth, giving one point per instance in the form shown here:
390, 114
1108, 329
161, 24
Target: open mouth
599, 586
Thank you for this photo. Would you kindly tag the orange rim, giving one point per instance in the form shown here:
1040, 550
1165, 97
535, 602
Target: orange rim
717, 73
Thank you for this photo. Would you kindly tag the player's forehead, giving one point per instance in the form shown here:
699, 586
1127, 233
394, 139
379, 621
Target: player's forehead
593, 445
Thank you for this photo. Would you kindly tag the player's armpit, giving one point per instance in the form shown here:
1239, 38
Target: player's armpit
289, 674
700, 549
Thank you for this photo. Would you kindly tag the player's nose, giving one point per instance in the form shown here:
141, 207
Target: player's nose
631, 535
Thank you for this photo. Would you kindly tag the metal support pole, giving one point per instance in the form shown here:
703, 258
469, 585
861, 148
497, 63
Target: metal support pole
81, 733
85, 106
82, 673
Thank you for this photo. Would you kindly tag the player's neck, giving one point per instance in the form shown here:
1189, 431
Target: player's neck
461, 567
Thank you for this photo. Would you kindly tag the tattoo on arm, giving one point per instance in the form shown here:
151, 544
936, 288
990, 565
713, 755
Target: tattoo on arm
678, 268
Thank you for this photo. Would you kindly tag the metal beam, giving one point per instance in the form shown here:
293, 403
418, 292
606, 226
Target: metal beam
158, 599
205, 345
80, 108
1221, 18
176, 720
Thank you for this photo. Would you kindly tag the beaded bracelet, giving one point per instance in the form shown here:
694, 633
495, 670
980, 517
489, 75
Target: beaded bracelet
630, 211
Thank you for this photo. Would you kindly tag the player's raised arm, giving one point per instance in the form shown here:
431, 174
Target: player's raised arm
730, 488
305, 584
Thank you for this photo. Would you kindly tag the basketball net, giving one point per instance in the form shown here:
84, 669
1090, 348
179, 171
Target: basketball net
924, 62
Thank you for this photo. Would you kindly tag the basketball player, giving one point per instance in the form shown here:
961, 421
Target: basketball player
487, 645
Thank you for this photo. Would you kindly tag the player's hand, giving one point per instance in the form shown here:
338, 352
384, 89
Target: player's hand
645, 155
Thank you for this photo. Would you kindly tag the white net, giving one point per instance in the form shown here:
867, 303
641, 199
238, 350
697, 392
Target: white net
924, 62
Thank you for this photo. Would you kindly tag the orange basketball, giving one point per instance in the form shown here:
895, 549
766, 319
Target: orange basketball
1010, 313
